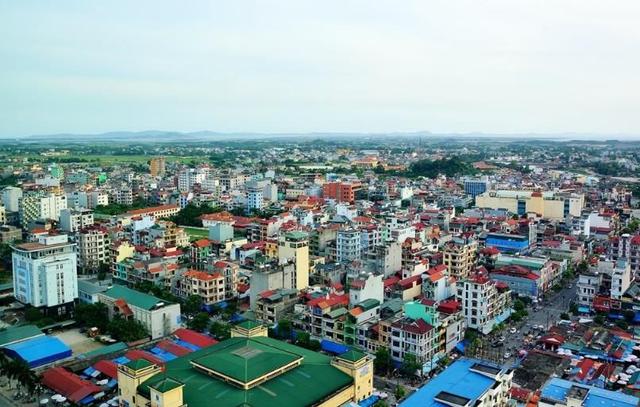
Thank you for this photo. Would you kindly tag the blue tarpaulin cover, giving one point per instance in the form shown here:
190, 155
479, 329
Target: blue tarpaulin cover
333, 347
39, 351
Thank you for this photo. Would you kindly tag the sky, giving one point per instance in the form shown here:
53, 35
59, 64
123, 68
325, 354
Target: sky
494, 66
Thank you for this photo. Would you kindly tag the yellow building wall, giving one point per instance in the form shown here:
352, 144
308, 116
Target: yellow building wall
128, 385
536, 204
339, 399
497, 202
362, 373
124, 251
553, 209
172, 398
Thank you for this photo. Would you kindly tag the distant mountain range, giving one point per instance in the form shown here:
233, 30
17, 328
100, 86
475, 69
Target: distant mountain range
203, 136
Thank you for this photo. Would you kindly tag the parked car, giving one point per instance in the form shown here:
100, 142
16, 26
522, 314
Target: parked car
507, 355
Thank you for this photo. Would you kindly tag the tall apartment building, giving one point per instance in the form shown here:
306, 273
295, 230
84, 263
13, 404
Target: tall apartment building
45, 274
124, 196
475, 187
72, 220
157, 166
340, 191
41, 205
548, 204
84, 199
626, 247
459, 255
348, 245
11, 198
255, 197
295, 246
485, 303
93, 247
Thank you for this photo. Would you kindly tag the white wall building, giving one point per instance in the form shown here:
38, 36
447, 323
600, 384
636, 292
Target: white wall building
45, 274
72, 220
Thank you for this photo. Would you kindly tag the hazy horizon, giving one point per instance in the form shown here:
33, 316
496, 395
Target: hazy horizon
297, 67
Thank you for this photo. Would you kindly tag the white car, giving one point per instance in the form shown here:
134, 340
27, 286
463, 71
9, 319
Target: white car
507, 355
512, 330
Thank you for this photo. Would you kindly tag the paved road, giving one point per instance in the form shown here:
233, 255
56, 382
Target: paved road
547, 315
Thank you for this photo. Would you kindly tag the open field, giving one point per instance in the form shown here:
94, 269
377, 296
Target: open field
196, 233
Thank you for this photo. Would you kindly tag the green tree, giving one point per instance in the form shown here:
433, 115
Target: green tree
192, 304
382, 362
200, 322
410, 365
284, 329
518, 305
32, 314
92, 315
399, 392
565, 316
126, 330
220, 330
381, 403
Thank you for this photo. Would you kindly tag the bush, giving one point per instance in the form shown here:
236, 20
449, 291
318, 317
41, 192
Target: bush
33, 314
564, 315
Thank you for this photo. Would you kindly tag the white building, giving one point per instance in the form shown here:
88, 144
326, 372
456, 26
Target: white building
40, 205
11, 198
255, 197
45, 274
485, 303
348, 246
158, 316
72, 220
92, 248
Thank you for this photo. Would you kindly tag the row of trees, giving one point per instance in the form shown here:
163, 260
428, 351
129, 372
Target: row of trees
96, 315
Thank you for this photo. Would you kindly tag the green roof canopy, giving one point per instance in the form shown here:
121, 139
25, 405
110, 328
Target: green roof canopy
134, 297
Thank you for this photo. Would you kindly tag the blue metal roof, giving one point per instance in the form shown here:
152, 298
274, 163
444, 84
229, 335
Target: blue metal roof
557, 389
39, 351
449, 380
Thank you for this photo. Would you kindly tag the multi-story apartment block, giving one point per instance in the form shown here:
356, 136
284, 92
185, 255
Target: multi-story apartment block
208, 286
627, 247
157, 166
93, 247
459, 255
40, 205
11, 198
271, 305
413, 336
45, 274
72, 220
348, 246
340, 191
230, 272
485, 303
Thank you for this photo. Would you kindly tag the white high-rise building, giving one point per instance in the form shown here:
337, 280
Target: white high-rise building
45, 274
40, 205
11, 198
255, 198
72, 220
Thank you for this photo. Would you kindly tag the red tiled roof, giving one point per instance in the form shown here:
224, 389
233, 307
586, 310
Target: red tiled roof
70, 385
201, 243
194, 337
152, 209
418, 326
107, 367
